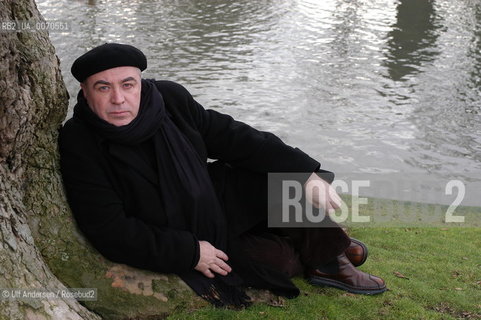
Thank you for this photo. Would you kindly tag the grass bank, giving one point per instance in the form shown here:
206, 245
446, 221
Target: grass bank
431, 273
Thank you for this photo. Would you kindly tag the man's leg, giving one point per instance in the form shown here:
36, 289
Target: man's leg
321, 250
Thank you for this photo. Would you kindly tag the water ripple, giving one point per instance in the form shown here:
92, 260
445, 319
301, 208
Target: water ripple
366, 86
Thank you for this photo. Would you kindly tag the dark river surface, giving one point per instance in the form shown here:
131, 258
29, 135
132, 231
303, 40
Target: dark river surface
378, 89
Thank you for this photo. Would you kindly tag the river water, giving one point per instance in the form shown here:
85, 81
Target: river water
368, 87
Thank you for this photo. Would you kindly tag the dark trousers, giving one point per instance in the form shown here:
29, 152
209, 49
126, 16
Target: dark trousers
243, 194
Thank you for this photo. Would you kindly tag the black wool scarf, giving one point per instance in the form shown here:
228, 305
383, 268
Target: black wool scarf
188, 196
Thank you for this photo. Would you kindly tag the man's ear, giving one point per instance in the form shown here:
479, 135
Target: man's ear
83, 86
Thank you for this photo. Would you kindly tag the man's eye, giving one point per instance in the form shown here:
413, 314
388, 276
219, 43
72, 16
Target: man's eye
103, 88
128, 85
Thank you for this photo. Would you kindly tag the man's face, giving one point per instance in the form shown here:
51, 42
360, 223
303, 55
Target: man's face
114, 94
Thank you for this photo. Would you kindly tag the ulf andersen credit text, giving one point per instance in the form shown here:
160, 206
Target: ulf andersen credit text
49, 294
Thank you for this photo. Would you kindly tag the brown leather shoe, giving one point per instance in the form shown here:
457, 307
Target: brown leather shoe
356, 252
348, 278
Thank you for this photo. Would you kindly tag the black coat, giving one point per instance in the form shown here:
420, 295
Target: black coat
114, 198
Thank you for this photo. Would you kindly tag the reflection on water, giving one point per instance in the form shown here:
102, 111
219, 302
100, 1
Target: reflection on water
378, 86
474, 83
412, 40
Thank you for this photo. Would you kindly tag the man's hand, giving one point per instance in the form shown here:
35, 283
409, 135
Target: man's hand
321, 194
212, 260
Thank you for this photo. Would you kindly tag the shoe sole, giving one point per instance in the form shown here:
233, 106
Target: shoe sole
323, 282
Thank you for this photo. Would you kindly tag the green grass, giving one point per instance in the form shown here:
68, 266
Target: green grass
442, 267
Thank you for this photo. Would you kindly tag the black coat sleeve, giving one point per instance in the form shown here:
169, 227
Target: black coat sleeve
235, 142
99, 213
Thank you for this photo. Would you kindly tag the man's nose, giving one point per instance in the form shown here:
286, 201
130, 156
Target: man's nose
117, 96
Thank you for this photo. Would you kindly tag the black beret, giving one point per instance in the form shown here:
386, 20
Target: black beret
107, 56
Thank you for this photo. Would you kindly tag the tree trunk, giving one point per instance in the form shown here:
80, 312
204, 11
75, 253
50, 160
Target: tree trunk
39, 244
33, 100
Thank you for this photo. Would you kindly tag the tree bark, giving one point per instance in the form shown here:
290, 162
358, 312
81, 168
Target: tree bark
40, 246
33, 100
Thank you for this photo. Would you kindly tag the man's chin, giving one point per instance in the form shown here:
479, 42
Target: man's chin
120, 122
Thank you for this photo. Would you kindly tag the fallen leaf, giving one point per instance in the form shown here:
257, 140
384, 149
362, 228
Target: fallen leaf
458, 289
400, 275
348, 294
465, 258
277, 302
444, 229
